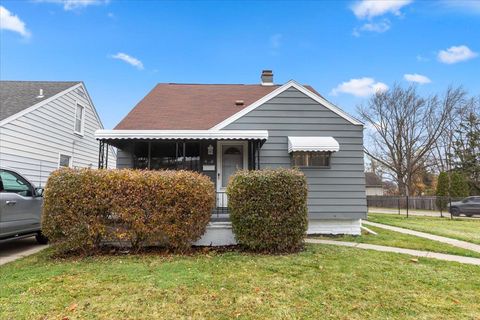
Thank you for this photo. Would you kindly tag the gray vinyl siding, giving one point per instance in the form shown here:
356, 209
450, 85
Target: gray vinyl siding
334, 193
32, 143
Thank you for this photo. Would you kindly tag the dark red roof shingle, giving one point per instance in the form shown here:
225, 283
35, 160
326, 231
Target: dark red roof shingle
171, 106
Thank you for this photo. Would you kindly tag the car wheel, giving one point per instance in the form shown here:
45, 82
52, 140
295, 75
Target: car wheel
455, 212
41, 239
469, 215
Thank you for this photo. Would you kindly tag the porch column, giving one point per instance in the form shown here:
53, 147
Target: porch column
184, 159
258, 155
100, 154
149, 154
106, 155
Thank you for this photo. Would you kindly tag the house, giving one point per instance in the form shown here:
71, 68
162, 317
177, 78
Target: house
373, 184
217, 129
45, 125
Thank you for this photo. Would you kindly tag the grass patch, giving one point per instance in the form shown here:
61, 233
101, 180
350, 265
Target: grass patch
326, 282
400, 240
458, 228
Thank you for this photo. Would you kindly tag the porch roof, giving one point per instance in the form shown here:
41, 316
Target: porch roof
182, 134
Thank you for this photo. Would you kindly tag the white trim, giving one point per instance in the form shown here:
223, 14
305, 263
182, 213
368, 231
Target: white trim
70, 162
182, 134
82, 125
276, 92
220, 159
38, 105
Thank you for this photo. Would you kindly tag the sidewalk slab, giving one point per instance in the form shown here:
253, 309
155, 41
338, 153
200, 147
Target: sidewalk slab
18, 248
411, 252
411, 212
450, 241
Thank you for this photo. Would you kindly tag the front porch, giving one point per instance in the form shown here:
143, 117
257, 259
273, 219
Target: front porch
217, 154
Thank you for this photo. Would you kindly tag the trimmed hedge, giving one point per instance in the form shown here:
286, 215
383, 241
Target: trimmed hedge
85, 209
268, 209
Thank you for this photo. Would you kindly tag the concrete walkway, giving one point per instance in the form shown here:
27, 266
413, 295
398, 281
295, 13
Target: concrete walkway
411, 212
415, 253
19, 248
450, 241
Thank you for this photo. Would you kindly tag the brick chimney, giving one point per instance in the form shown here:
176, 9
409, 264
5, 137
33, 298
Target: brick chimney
267, 78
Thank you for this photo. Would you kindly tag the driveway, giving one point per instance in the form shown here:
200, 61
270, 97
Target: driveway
16, 249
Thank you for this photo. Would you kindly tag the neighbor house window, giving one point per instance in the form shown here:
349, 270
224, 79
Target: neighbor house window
311, 159
64, 160
79, 114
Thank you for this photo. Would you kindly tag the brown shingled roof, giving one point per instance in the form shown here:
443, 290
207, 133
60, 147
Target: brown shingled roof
171, 106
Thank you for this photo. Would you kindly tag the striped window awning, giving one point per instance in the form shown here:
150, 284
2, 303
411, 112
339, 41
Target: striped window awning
318, 144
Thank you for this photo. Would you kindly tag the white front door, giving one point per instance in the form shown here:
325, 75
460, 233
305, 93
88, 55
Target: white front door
231, 156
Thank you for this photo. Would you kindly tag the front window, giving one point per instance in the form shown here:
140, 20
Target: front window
64, 160
79, 113
311, 159
12, 182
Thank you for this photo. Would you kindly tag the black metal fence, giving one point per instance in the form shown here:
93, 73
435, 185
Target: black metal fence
432, 205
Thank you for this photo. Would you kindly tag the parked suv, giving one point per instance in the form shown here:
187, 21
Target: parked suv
468, 206
20, 207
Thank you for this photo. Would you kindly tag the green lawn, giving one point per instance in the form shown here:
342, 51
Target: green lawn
396, 239
458, 228
324, 282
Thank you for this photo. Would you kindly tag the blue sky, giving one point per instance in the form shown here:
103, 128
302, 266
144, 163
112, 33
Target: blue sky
345, 49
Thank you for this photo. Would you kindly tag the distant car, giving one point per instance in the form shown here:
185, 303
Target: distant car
468, 206
20, 207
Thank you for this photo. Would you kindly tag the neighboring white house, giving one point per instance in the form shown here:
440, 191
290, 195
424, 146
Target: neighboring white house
48, 124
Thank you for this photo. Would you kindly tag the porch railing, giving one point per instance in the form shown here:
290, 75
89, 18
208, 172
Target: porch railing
220, 212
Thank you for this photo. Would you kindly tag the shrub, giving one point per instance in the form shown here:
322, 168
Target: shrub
453, 184
268, 209
84, 209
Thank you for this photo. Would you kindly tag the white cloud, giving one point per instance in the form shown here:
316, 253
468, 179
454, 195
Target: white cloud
467, 6
362, 87
415, 77
76, 4
9, 21
456, 54
378, 27
367, 9
129, 59
422, 58
276, 40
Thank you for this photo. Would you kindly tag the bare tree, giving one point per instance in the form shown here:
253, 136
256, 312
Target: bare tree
403, 127
442, 153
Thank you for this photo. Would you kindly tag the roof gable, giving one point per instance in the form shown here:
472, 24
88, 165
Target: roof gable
307, 90
16, 96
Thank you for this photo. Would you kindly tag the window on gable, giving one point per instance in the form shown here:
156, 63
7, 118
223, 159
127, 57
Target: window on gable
79, 114
64, 160
311, 159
